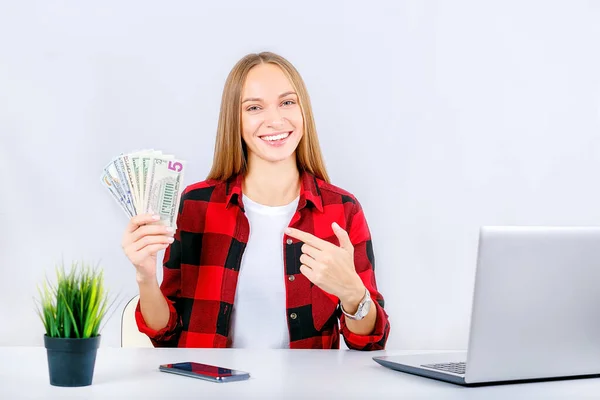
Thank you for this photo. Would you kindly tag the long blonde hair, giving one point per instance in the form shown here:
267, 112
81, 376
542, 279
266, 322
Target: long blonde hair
230, 157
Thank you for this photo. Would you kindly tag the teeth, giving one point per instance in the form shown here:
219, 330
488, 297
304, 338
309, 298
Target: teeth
276, 137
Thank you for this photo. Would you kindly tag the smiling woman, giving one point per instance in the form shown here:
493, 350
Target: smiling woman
267, 253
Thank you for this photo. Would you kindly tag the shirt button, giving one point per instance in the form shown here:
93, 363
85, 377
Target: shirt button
289, 241
291, 278
293, 316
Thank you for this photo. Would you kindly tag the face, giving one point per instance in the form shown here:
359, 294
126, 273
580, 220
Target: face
272, 123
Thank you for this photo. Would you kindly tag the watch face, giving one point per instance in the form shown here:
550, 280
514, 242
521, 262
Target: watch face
364, 310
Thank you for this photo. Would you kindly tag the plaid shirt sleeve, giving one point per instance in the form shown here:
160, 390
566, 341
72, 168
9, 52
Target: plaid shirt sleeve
364, 261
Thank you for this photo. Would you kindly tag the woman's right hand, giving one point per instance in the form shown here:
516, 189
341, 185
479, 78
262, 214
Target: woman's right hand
142, 239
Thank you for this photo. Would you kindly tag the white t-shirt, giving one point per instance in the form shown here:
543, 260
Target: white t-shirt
258, 318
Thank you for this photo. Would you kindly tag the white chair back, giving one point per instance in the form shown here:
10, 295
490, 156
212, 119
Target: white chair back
130, 334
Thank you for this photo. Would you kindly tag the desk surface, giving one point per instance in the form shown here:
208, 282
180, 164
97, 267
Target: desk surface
275, 374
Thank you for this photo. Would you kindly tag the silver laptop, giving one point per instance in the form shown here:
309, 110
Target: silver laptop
535, 313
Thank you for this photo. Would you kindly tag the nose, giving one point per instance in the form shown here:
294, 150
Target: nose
274, 120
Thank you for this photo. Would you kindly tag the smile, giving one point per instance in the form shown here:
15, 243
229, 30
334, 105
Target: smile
276, 137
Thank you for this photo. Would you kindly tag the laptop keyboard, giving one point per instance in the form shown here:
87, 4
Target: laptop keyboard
455, 368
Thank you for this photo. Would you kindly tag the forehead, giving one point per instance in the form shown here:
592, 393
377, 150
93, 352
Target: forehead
266, 81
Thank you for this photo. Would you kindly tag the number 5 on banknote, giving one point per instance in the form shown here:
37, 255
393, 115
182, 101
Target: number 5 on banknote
175, 166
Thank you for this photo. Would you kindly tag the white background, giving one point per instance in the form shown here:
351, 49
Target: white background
439, 116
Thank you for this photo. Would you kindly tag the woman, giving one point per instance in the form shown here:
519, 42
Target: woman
267, 252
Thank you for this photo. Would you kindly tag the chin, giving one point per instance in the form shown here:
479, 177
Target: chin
273, 159
278, 155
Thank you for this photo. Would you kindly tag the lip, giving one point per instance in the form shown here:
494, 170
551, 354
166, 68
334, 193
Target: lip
276, 143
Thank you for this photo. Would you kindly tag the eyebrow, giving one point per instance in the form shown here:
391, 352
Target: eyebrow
259, 99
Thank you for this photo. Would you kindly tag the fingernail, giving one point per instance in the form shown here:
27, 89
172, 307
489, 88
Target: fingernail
335, 225
171, 239
170, 229
156, 217
288, 230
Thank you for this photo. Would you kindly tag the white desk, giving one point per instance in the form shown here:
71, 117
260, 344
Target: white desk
279, 374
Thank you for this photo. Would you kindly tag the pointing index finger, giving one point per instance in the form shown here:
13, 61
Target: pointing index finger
307, 238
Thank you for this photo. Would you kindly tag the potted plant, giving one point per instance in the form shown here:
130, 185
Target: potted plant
72, 310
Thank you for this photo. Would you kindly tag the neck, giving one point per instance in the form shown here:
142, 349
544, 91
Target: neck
272, 184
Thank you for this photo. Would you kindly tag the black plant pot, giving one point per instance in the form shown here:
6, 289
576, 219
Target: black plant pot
71, 361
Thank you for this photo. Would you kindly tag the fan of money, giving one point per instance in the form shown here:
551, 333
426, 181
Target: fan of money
146, 181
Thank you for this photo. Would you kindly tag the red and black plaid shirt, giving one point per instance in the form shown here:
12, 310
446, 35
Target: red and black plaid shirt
201, 266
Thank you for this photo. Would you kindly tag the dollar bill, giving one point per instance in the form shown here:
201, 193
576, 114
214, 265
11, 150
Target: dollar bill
137, 176
145, 162
112, 175
110, 185
124, 182
135, 162
127, 163
164, 185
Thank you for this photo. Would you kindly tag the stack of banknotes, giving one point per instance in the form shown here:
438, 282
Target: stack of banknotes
146, 181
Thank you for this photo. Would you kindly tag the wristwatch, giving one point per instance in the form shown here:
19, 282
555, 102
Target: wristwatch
363, 308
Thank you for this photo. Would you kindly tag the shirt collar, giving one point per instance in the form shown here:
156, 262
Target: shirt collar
309, 191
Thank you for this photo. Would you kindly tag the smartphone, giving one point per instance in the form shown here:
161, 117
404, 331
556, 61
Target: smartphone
204, 371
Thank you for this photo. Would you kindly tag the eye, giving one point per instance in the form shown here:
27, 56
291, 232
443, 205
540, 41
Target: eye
288, 102
252, 108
